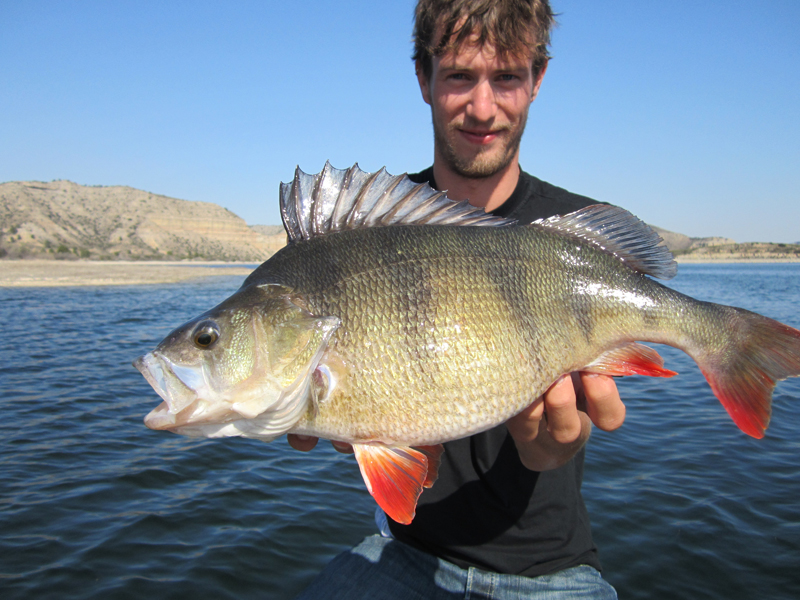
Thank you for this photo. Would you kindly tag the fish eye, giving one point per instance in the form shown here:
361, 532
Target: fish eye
205, 335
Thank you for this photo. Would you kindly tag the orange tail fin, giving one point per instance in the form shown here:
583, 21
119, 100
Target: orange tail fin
744, 369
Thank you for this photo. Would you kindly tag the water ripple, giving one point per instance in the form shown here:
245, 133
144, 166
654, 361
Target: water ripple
94, 505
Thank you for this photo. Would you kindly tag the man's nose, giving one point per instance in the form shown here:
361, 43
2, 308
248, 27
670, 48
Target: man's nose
482, 105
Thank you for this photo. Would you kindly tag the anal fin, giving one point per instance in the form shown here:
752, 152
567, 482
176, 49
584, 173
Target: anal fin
630, 359
395, 476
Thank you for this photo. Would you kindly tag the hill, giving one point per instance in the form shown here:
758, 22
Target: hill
62, 219
714, 249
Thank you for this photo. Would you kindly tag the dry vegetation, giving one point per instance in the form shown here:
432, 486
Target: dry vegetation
64, 220
713, 249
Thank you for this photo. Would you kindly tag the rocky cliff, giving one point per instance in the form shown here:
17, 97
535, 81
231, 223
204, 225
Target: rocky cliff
62, 219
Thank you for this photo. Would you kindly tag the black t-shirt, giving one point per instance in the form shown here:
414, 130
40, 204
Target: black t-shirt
486, 510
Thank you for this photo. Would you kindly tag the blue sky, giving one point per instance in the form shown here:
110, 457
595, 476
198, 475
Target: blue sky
686, 113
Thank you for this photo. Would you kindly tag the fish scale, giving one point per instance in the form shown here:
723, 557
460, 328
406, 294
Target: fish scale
503, 330
396, 320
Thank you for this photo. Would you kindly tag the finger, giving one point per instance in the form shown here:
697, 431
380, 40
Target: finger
580, 395
524, 427
563, 421
342, 447
603, 404
533, 412
304, 443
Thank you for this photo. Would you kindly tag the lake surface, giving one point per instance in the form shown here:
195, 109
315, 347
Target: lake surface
94, 505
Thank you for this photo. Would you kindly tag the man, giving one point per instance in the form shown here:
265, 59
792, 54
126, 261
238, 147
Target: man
505, 518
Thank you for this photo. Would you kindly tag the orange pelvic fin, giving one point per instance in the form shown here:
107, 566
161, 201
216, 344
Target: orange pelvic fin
630, 359
395, 476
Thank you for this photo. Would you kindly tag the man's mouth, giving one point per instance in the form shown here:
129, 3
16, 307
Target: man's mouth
479, 137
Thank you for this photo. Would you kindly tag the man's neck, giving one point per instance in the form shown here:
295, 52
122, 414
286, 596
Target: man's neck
488, 193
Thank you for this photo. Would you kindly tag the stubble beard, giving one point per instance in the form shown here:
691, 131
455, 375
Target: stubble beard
483, 164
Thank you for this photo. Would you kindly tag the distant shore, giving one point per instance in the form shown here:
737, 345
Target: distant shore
59, 273
712, 260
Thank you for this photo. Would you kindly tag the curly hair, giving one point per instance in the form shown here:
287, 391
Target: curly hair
512, 27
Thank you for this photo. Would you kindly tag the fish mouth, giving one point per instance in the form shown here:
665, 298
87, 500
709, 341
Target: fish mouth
175, 384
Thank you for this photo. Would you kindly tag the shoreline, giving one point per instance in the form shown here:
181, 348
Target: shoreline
705, 260
63, 273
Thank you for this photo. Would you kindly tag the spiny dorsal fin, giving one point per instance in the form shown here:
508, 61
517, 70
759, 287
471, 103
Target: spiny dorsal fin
335, 200
618, 232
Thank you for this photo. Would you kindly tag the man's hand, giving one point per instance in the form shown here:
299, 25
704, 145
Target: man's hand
557, 425
305, 443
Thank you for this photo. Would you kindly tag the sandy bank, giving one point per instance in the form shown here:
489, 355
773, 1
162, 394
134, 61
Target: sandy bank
56, 273
712, 260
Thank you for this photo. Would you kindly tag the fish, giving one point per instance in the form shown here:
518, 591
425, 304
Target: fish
396, 319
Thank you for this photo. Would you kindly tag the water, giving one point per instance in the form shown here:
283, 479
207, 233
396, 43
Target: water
94, 505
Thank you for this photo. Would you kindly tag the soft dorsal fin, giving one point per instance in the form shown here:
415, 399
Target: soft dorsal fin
618, 232
335, 200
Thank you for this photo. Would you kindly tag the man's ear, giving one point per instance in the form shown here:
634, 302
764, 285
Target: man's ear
424, 83
537, 83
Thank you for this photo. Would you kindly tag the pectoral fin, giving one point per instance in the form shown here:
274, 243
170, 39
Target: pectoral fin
630, 359
395, 476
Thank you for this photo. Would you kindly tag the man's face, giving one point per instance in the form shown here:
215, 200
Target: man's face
479, 104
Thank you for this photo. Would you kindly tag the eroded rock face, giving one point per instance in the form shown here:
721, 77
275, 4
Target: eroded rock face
61, 217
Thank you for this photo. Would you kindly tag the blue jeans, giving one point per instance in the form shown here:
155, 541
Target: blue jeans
382, 568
